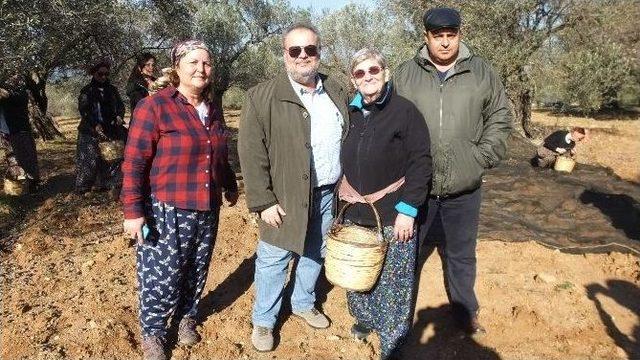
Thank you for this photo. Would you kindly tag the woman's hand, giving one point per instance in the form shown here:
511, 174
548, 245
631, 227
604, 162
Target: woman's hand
403, 228
133, 229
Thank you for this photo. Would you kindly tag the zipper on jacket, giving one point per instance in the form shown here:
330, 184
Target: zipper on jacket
365, 122
441, 187
356, 210
441, 101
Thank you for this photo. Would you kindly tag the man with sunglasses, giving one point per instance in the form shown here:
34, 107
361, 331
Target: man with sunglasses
289, 145
467, 112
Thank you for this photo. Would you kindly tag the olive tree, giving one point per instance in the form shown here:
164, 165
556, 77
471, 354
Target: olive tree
243, 35
589, 64
42, 38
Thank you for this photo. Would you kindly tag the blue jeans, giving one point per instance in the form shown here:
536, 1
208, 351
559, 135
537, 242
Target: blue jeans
272, 264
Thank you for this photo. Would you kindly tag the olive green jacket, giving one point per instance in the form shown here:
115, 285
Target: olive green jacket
468, 117
274, 145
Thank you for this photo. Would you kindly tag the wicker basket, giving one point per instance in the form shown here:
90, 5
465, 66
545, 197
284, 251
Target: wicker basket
111, 150
15, 188
355, 254
564, 163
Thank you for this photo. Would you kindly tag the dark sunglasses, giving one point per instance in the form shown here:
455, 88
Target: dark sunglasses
374, 70
310, 50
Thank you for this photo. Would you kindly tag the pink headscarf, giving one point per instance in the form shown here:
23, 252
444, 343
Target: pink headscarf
184, 47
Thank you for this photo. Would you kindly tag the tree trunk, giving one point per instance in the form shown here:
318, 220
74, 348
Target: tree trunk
520, 94
43, 124
521, 105
217, 100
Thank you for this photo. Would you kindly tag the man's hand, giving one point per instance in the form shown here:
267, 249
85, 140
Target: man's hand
273, 215
403, 228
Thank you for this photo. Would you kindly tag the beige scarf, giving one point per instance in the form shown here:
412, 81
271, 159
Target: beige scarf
347, 193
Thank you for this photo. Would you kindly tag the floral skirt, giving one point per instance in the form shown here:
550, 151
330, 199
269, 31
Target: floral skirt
387, 308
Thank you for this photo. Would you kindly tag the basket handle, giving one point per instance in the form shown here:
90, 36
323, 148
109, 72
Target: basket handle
340, 216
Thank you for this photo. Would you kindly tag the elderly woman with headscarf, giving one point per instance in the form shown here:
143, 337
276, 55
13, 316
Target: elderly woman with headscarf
101, 112
386, 162
175, 170
141, 78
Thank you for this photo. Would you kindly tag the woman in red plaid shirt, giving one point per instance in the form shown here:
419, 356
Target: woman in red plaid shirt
175, 171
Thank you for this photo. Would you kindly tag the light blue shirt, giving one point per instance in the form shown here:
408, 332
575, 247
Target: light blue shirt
326, 133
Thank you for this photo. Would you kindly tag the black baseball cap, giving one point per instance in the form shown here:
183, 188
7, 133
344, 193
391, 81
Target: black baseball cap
440, 18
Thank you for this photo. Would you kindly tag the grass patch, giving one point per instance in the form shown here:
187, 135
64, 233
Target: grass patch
567, 285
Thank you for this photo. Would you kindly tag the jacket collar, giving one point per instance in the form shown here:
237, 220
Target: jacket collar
358, 100
464, 54
284, 90
97, 84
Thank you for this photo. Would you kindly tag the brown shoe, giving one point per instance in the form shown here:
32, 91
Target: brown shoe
187, 334
153, 348
314, 318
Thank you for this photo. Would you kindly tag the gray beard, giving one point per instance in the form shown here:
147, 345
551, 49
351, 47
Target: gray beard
303, 78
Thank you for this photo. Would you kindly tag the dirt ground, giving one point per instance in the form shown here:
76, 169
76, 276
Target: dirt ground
69, 290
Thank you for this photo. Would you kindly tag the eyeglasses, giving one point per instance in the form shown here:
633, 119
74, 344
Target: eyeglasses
310, 50
103, 73
360, 73
150, 64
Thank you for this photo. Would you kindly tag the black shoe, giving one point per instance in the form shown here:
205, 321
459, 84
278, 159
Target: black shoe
474, 328
360, 332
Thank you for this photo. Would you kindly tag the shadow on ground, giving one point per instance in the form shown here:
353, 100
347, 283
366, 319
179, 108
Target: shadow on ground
626, 294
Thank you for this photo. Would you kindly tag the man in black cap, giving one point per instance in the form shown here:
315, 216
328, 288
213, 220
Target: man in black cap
466, 109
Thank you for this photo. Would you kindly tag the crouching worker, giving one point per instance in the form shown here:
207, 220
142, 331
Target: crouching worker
561, 142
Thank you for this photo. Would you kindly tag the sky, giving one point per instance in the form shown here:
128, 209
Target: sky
318, 5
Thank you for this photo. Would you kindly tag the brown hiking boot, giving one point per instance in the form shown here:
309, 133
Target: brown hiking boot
153, 348
187, 334
262, 338
314, 318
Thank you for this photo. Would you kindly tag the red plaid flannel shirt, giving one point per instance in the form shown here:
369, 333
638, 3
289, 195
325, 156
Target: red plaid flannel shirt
171, 154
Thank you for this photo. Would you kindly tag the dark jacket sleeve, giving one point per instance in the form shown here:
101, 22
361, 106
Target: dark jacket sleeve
85, 107
119, 105
417, 145
497, 124
135, 92
254, 158
229, 182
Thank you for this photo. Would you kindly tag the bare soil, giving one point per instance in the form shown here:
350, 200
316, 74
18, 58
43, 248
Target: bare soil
69, 288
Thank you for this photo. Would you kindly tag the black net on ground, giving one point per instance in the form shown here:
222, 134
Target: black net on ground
590, 210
